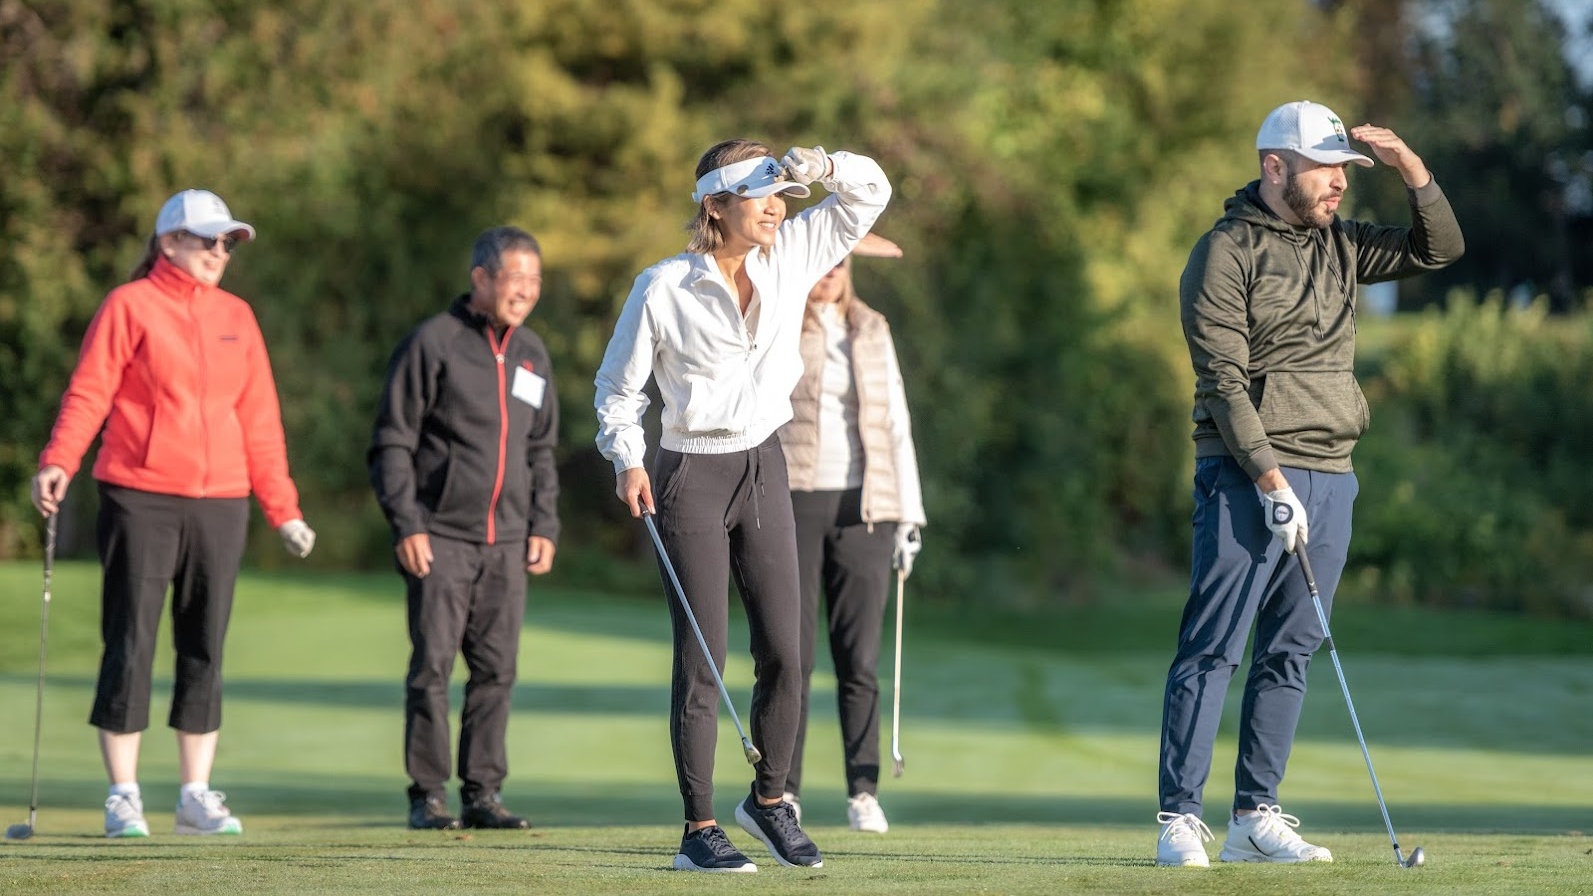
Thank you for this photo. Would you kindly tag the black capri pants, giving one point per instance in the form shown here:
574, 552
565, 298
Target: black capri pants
147, 543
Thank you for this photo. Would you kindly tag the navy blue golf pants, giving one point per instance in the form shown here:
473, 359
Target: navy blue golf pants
1242, 577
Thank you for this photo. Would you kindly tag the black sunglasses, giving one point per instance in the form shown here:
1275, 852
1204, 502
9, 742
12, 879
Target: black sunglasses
228, 241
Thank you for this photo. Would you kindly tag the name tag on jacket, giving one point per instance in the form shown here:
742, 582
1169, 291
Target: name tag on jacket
529, 387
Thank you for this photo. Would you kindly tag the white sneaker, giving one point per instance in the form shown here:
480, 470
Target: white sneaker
1267, 835
124, 817
796, 804
864, 814
1183, 839
203, 813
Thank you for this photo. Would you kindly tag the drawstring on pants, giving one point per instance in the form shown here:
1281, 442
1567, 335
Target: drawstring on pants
757, 485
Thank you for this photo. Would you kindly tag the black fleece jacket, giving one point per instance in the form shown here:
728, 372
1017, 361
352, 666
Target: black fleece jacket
464, 435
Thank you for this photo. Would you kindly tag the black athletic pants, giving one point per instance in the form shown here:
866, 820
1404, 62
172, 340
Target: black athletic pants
472, 601
840, 558
149, 542
724, 515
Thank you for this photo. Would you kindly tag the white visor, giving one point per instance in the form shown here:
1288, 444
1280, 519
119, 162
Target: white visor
749, 178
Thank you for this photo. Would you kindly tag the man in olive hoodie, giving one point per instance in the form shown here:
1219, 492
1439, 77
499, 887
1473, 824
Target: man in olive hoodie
1268, 309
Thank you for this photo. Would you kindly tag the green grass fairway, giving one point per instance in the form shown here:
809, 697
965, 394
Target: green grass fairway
1031, 745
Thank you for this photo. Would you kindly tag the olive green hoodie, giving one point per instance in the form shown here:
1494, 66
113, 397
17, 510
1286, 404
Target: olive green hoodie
1268, 310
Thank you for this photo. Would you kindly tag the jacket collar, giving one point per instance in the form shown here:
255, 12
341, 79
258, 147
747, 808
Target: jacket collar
462, 310
176, 281
474, 319
704, 267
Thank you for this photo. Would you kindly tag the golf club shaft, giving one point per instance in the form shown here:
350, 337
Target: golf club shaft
1327, 636
44, 631
752, 754
896, 682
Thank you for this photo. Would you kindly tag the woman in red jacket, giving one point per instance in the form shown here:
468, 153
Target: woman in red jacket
175, 371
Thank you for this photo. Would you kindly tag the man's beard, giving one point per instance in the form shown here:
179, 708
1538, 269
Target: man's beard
1303, 206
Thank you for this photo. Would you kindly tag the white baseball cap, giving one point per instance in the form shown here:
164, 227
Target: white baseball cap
751, 178
201, 213
1310, 129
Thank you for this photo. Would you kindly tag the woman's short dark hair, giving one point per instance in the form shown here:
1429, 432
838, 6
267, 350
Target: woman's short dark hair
706, 236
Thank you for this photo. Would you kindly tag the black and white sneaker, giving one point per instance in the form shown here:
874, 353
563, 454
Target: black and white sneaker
777, 827
708, 849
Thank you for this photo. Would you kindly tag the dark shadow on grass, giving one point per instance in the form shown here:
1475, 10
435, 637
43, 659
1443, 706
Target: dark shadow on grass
370, 803
1024, 694
389, 694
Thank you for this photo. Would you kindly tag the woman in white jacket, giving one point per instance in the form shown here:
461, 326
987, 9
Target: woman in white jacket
858, 507
719, 327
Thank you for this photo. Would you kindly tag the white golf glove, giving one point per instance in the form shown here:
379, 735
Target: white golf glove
297, 537
1286, 517
908, 543
806, 165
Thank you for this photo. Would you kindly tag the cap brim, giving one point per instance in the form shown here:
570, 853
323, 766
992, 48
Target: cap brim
795, 189
217, 228
1336, 157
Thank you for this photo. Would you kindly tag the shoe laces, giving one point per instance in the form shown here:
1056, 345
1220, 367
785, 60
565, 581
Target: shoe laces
492, 805
125, 807
1184, 830
1272, 820
717, 841
211, 801
784, 819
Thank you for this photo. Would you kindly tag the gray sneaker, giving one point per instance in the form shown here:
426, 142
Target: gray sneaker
124, 817
204, 813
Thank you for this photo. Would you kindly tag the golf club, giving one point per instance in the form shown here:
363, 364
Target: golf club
24, 831
896, 683
1417, 856
753, 756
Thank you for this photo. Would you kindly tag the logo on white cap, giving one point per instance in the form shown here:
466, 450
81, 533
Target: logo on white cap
749, 178
1310, 129
201, 213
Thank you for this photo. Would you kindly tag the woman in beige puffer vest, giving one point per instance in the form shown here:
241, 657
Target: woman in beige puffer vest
855, 492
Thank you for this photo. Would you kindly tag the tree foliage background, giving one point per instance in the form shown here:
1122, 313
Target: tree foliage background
1053, 164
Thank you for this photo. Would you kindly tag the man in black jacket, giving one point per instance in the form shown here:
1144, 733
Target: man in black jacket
462, 462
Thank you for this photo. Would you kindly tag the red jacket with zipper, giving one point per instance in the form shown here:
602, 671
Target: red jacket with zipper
177, 374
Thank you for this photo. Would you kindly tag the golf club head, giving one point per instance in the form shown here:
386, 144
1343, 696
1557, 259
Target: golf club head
19, 832
753, 756
1418, 858
899, 765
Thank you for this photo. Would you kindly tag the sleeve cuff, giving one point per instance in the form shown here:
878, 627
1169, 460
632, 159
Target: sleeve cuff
1426, 194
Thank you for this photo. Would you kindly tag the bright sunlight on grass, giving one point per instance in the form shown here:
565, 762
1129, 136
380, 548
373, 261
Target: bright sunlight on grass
1030, 744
